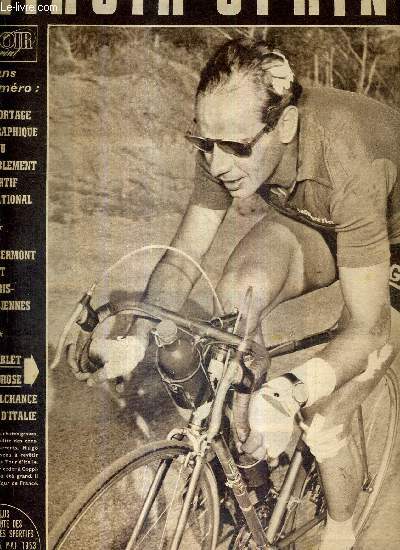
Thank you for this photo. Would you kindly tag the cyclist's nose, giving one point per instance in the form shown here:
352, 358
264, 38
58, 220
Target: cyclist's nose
220, 162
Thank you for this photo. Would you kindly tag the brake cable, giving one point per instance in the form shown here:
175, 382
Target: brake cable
77, 312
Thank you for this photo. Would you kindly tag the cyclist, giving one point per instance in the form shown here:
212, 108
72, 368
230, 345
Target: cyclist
327, 162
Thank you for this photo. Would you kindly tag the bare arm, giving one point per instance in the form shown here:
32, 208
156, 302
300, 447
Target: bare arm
367, 328
366, 296
174, 276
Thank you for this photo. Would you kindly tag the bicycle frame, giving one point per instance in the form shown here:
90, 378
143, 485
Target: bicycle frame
264, 540
203, 441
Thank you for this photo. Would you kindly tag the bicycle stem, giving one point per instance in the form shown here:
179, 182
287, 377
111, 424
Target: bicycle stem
233, 375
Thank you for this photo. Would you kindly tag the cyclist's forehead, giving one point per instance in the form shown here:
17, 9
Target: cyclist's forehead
232, 114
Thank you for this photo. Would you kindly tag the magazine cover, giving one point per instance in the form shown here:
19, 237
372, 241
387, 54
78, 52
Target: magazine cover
199, 274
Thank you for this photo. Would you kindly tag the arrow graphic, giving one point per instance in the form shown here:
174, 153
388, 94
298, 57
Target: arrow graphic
31, 370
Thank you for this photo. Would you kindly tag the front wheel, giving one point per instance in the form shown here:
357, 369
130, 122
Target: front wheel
116, 510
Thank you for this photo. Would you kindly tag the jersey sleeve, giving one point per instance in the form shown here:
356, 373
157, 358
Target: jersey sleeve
208, 191
358, 205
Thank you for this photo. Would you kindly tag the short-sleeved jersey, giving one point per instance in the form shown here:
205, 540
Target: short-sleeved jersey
347, 176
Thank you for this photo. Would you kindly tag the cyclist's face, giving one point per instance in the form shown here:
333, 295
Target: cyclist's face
235, 115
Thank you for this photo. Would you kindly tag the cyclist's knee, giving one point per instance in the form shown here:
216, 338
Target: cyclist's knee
237, 279
270, 260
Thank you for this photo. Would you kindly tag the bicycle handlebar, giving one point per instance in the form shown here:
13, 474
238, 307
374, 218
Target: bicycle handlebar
200, 328
236, 371
204, 329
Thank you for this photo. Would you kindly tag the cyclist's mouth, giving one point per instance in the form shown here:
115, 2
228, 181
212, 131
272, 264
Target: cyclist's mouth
232, 185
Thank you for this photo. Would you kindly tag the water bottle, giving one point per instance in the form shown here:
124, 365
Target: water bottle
180, 367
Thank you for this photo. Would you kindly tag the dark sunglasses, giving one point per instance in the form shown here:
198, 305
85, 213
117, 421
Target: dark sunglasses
237, 148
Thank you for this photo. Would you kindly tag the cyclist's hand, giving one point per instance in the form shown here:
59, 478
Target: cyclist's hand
118, 357
271, 417
323, 442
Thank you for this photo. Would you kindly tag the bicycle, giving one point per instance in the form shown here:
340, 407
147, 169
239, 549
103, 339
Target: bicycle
171, 494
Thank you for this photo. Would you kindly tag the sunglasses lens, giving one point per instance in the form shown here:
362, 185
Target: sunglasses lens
235, 148
205, 145
231, 147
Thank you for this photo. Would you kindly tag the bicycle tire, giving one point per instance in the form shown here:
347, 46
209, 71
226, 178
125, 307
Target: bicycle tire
391, 382
379, 458
91, 522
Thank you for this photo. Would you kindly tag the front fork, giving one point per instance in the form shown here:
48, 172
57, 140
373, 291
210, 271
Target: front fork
234, 481
262, 540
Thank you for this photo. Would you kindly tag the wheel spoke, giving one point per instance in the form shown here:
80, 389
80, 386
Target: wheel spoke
170, 507
155, 523
105, 514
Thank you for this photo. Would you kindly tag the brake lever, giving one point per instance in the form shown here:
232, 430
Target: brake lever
80, 307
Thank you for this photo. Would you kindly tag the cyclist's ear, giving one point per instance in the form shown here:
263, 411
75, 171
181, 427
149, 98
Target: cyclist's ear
288, 124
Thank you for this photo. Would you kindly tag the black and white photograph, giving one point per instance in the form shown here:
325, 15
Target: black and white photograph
199, 274
223, 287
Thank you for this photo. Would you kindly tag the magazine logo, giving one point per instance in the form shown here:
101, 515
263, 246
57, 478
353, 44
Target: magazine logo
395, 276
18, 43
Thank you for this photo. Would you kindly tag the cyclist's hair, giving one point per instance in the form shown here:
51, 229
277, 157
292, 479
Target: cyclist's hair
254, 59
